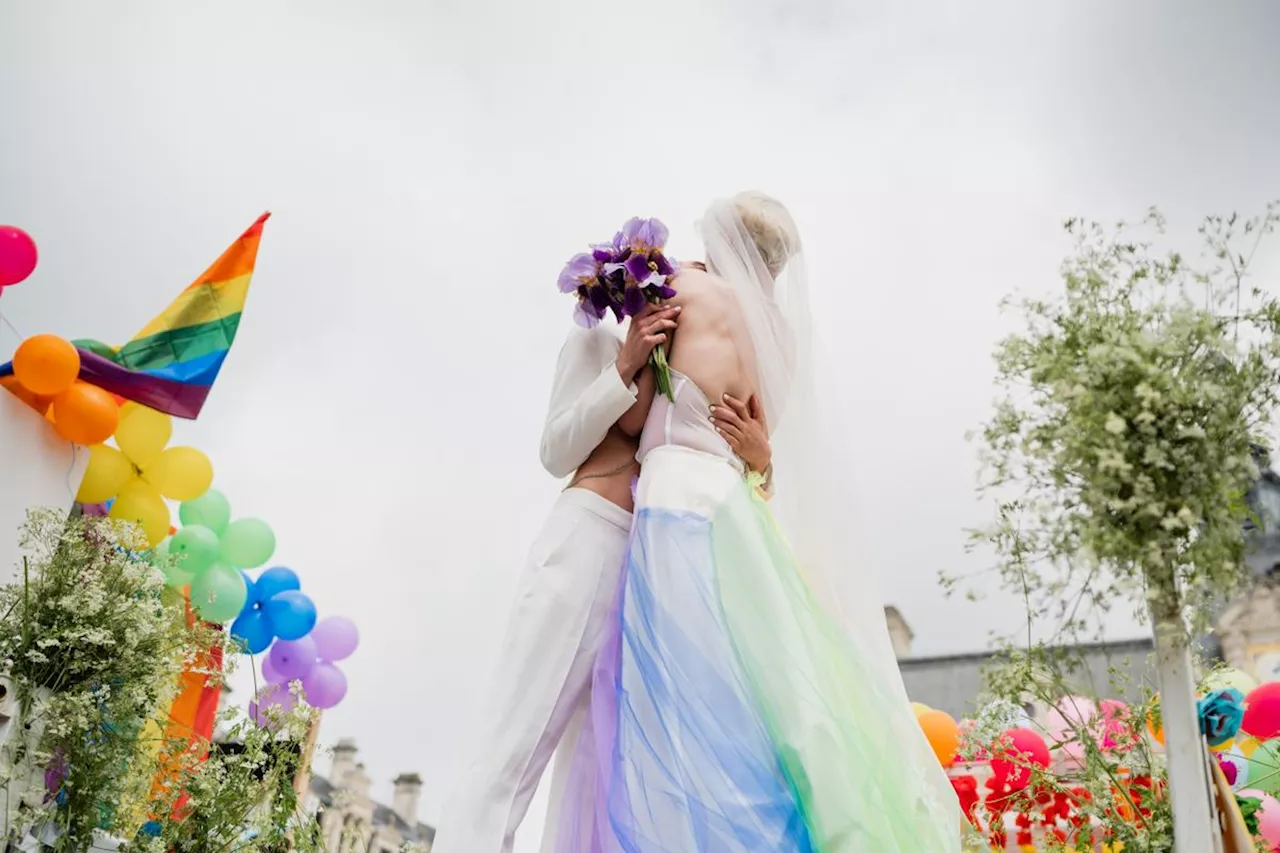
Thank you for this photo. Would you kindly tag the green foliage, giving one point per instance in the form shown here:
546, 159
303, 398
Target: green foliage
93, 651
1121, 450
241, 796
95, 647
1133, 404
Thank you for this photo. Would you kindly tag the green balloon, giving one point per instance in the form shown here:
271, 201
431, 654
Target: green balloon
211, 510
175, 576
218, 593
248, 543
194, 548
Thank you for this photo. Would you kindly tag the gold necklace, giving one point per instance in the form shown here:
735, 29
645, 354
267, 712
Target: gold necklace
602, 475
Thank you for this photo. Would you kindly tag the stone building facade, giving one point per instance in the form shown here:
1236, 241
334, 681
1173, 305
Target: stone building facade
352, 822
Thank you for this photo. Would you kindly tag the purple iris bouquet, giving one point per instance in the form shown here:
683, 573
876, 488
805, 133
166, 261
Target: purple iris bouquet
622, 277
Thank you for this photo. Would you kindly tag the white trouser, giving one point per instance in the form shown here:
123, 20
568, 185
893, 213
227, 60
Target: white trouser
544, 673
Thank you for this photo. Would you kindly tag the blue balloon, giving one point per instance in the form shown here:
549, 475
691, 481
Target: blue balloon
292, 614
274, 581
254, 629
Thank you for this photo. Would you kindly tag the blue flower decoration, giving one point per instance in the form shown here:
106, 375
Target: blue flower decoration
151, 828
1221, 714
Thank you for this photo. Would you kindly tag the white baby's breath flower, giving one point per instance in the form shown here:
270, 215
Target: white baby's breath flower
1115, 424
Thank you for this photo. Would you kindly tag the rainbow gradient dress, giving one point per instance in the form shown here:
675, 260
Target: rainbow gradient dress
728, 712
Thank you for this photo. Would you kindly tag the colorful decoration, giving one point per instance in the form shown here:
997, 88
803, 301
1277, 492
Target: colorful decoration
18, 255
142, 472
1015, 754
276, 607
248, 543
1221, 715
174, 360
336, 639
1262, 712
211, 510
172, 363
46, 365
324, 685
1268, 815
210, 554
942, 733
293, 659
84, 414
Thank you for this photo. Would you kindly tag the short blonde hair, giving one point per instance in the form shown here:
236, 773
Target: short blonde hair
769, 225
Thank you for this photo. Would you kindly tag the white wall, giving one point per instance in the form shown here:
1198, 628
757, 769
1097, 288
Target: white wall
37, 468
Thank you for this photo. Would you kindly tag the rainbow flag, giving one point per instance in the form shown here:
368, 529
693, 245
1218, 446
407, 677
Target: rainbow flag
172, 363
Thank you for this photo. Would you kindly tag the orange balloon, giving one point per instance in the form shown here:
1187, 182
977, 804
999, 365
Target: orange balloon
46, 364
35, 401
943, 734
85, 414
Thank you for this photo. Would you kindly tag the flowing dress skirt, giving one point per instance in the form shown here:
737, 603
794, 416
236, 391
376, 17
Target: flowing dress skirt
729, 713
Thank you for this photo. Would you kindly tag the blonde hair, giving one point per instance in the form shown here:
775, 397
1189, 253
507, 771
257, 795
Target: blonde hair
769, 225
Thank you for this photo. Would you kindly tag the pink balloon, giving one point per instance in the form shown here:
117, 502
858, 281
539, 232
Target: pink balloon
1268, 815
272, 696
18, 255
325, 686
336, 638
1070, 712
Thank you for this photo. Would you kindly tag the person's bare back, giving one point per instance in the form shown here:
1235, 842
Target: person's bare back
711, 346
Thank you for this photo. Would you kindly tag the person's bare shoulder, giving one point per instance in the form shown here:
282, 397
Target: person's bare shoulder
694, 283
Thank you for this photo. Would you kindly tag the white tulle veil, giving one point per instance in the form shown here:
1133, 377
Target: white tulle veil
812, 473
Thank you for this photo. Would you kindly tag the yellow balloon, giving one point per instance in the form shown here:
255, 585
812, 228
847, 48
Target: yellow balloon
920, 708
108, 472
142, 433
141, 503
180, 473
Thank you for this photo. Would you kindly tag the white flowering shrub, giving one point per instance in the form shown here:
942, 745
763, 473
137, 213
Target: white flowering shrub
88, 625
1133, 406
95, 647
1122, 448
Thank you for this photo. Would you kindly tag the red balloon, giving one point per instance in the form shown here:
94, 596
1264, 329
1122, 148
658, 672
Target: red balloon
1015, 752
1262, 712
18, 255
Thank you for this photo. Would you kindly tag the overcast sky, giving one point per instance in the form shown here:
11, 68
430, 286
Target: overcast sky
431, 164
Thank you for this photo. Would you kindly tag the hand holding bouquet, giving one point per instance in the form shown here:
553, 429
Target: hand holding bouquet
622, 277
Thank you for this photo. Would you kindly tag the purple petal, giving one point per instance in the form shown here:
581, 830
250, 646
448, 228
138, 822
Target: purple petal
630, 231
638, 267
635, 301
617, 311
581, 267
661, 262
583, 316
665, 291
652, 234
603, 254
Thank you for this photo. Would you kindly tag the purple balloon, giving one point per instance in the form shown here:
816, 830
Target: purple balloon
336, 638
273, 696
325, 686
292, 659
269, 674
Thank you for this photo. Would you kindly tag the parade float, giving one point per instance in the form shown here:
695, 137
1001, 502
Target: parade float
120, 619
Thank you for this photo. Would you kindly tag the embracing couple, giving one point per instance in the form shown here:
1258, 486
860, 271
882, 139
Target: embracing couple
699, 647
